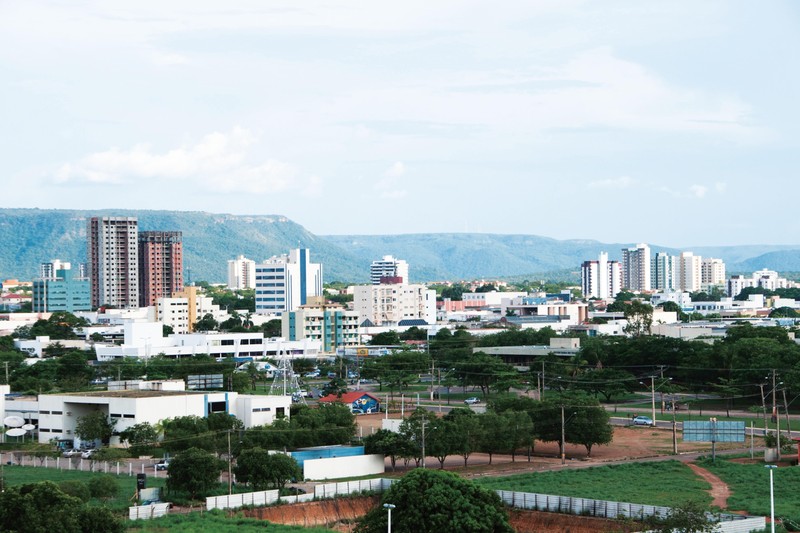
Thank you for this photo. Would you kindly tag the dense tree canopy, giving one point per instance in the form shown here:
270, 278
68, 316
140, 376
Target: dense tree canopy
434, 501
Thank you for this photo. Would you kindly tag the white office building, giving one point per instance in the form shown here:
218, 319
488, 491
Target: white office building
241, 273
388, 270
284, 283
664, 272
712, 272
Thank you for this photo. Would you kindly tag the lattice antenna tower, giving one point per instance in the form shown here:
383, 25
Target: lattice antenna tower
285, 380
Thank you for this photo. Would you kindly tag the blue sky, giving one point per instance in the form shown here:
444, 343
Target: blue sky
673, 123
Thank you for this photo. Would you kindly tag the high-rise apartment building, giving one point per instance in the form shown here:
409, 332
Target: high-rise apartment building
241, 273
160, 265
284, 283
664, 274
712, 271
113, 261
636, 268
601, 278
689, 272
388, 270
395, 304
60, 290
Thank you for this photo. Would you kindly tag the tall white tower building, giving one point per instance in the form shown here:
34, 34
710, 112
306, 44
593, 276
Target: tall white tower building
241, 273
713, 271
113, 252
284, 283
389, 269
601, 278
665, 272
689, 272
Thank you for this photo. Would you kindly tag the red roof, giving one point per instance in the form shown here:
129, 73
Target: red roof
347, 397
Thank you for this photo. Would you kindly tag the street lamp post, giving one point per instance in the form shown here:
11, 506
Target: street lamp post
389, 507
653, 397
771, 499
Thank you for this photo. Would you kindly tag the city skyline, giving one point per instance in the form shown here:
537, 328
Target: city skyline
544, 118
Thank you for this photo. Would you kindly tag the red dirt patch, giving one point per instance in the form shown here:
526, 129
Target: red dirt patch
719, 489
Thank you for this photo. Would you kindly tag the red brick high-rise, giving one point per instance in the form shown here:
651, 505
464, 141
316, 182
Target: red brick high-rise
160, 265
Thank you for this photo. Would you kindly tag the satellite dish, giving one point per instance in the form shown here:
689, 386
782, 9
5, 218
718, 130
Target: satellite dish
13, 421
15, 432
28, 427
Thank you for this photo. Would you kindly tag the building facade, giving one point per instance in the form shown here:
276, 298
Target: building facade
330, 324
690, 273
160, 265
241, 273
664, 273
62, 290
636, 268
113, 254
284, 283
388, 270
712, 272
601, 278
390, 304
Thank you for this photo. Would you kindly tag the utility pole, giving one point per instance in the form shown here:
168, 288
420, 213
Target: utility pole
563, 441
541, 396
424, 423
6, 365
653, 397
432, 374
774, 402
230, 475
674, 428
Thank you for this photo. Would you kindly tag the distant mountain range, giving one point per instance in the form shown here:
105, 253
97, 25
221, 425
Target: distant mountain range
29, 237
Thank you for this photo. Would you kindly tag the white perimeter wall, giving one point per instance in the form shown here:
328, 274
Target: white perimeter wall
339, 467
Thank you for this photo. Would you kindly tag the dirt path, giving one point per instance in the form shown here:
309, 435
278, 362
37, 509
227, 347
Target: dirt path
719, 489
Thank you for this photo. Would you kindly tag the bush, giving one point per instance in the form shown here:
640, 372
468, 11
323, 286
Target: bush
103, 486
76, 489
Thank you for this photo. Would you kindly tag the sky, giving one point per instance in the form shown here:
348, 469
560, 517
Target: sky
673, 123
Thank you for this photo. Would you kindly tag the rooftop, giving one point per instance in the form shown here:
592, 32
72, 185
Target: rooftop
128, 393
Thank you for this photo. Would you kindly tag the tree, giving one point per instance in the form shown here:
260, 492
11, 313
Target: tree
44, 507
387, 338
141, 438
640, 318
207, 323
184, 432
262, 470
488, 372
194, 470
467, 425
433, 501
387, 443
95, 426
272, 328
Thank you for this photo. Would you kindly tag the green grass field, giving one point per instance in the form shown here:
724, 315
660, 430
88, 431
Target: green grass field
20, 475
667, 483
216, 521
749, 485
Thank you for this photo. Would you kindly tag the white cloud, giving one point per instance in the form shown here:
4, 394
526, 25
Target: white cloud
313, 187
219, 162
698, 191
623, 182
389, 185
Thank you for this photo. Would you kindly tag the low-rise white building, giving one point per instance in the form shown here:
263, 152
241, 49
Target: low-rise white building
488, 299
145, 339
56, 415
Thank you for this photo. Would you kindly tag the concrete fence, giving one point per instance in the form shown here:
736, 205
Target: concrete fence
120, 468
146, 512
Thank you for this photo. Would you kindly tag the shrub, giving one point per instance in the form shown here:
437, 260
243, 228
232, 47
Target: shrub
103, 486
76, 489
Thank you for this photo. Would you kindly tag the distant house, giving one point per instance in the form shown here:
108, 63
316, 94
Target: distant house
360, 402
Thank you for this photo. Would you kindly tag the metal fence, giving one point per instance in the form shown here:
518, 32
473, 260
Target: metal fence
79, 464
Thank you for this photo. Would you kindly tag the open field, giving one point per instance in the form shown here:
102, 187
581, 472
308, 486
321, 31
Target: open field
667, 483
20, 475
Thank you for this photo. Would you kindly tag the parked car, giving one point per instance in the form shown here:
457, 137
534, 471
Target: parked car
72, 452
163, 464
87, 454
472, 400
642, 421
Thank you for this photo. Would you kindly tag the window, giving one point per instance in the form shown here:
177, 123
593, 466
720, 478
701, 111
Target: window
115, 415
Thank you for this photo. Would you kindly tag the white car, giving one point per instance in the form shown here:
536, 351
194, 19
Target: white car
472, 400
74, 452
87, 454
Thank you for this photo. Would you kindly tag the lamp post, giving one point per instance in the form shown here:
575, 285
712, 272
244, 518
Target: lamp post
771, 499
389, 507
653, 397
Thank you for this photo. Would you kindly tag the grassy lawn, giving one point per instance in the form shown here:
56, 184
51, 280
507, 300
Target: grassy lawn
667, 483
749, 485
215, 521
20, 475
